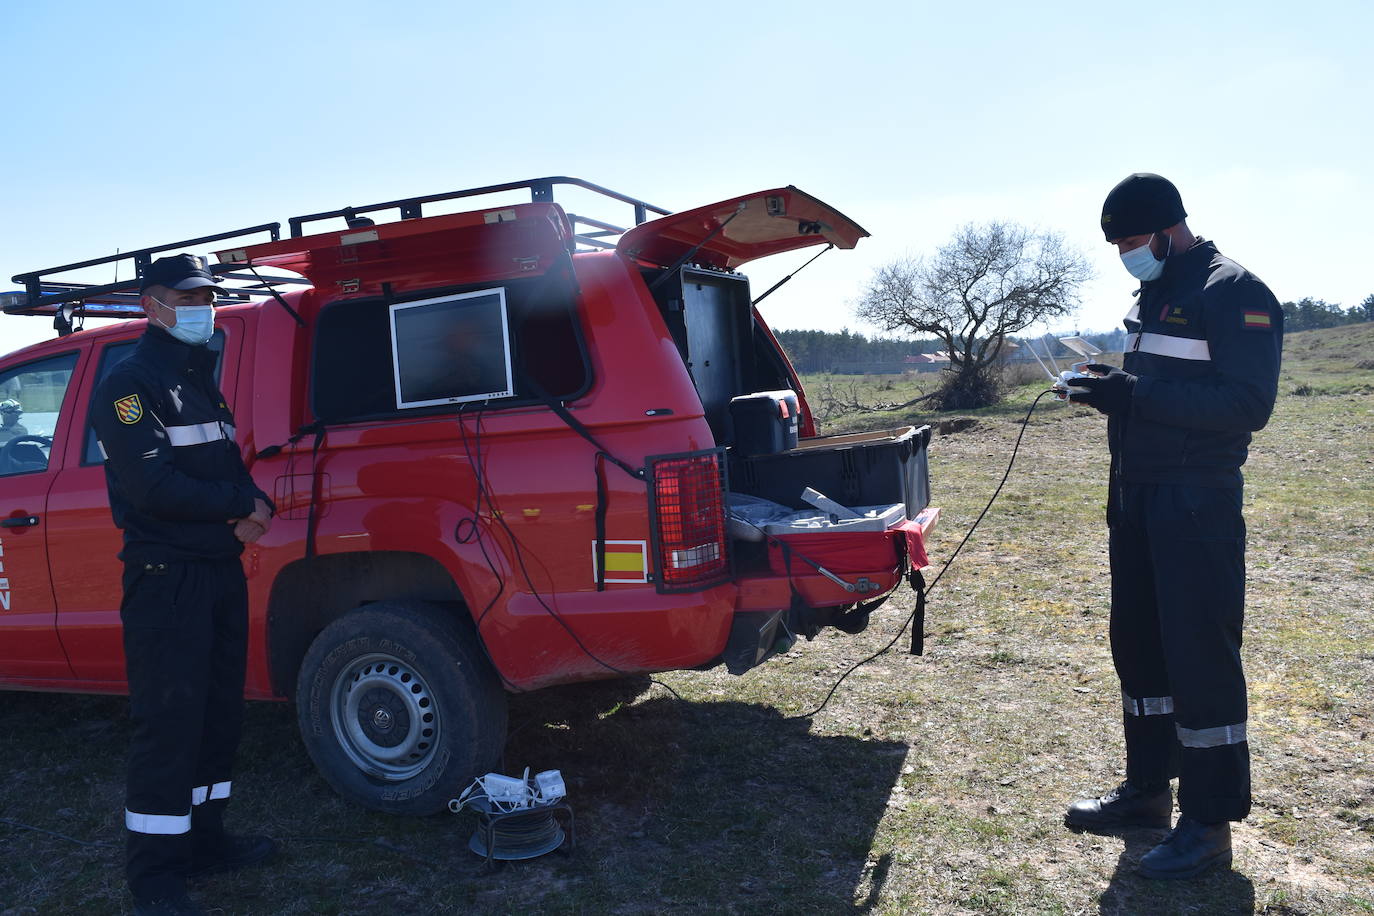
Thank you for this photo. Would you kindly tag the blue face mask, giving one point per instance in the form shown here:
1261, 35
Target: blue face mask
195, 323
1141, 262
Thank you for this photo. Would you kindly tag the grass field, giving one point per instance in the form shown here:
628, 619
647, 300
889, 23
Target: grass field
931, 784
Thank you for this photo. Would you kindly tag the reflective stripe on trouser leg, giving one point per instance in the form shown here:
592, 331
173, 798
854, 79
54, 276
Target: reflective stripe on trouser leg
1146, 706
157, 824
202, 794
1197, 540
1137, 653
1219, 736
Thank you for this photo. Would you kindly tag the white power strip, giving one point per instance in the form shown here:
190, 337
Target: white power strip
512, 793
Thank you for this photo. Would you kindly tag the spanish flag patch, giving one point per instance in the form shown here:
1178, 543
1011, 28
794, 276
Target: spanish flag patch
1258, 321
129, 410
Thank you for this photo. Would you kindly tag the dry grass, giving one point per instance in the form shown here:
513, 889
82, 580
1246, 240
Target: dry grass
928, 785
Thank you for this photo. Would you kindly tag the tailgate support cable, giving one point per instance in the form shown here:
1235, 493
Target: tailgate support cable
693, 250
769, 291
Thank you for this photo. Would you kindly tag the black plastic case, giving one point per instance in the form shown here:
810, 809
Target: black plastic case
859, 469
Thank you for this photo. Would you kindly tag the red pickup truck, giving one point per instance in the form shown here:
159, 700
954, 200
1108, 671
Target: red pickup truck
507, 448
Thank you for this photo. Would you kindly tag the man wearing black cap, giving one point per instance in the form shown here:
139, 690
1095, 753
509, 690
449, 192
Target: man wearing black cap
179, 490
1200, 375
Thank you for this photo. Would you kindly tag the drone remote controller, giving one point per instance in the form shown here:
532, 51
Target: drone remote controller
1065, 384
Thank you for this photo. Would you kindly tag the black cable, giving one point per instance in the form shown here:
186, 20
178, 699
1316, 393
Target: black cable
474, 533
361, 841
974, 527
519, 556
61, 836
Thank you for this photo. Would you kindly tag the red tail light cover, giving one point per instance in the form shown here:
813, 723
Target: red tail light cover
687, 502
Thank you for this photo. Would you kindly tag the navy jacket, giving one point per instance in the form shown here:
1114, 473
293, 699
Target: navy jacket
1205, 341
173, 469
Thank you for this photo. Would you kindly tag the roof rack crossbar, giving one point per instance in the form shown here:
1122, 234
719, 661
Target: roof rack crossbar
144, 255
58, 292
541, 191
595, 242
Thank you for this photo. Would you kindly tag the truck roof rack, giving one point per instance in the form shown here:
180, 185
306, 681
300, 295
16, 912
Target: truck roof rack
541, 191
45, 293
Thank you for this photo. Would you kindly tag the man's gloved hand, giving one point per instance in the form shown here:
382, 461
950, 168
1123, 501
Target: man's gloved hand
1109, 394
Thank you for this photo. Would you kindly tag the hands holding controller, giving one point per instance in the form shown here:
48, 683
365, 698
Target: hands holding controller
1107, 389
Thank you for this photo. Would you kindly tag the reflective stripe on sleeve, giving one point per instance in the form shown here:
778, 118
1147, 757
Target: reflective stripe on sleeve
101, 446
1220, 736
201, 794
1147, 706
162, 824
198, 433
1164, 345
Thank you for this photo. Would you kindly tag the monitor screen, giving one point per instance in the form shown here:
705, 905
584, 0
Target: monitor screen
451, 349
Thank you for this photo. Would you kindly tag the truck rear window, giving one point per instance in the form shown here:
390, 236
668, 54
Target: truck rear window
440, 349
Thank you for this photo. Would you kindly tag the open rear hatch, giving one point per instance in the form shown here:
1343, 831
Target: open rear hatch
733, 232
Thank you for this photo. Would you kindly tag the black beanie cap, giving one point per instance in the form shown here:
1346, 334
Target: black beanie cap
1140, 204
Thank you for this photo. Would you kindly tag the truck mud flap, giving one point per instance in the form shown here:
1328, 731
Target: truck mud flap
756, 636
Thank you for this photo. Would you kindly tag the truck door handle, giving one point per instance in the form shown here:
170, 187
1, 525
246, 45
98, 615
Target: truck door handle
23, 521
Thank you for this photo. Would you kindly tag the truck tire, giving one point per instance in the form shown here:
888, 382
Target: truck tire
398, 707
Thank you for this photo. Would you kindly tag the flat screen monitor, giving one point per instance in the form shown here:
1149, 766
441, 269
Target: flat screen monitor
451, 349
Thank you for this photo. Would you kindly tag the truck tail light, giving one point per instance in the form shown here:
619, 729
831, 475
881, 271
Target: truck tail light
687, 503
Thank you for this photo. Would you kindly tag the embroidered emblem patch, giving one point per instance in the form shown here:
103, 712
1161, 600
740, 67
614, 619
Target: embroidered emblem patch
1173, 314
1258, 321
129, 409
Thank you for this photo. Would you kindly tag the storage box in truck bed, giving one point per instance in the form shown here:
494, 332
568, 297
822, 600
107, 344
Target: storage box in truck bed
857, 469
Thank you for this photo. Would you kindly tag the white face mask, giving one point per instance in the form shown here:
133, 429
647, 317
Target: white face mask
1141, 262
195, 323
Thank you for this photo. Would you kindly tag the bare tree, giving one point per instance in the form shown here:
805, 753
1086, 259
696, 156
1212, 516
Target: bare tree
988, 282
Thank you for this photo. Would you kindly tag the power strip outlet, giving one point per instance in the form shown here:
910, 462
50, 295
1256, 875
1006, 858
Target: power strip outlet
508, 790
550, 783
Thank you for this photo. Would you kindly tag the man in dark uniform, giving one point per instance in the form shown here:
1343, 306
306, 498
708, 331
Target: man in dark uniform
1200, 375
179, 489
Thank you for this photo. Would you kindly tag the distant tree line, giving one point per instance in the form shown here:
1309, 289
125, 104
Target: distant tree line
1308, 314
845, 351
828, 351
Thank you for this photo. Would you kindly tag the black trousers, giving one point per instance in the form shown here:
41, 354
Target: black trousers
185, 648
1178, 606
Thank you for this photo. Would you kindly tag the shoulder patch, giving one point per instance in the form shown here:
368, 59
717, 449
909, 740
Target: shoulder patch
1258, 321
129, 409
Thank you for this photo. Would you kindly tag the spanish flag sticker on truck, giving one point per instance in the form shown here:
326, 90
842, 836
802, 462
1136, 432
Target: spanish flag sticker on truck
626, 561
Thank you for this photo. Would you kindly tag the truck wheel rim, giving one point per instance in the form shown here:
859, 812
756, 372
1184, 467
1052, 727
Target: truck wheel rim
385, 718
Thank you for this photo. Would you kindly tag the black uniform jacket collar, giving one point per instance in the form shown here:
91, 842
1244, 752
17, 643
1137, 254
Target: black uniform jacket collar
167, 351
1179, 267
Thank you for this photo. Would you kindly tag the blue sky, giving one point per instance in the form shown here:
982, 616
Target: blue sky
138, 123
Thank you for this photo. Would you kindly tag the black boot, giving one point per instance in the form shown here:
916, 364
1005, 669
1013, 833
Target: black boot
1189, 850
228, 852
1124, 807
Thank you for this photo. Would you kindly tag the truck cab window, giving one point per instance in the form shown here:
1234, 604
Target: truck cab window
30, 408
